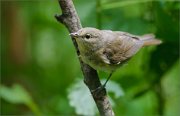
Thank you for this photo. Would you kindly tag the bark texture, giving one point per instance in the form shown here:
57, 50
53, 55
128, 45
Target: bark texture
71, 20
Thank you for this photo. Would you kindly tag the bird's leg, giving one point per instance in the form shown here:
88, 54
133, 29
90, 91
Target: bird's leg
104, 85
97, 90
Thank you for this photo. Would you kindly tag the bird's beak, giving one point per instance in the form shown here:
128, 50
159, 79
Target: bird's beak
74, 35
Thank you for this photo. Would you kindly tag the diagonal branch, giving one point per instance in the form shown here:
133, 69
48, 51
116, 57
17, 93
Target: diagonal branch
71, 20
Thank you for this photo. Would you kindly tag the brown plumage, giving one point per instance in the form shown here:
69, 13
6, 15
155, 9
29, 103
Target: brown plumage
107, 50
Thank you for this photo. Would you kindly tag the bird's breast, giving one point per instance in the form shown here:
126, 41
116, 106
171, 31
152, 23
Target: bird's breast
94, 59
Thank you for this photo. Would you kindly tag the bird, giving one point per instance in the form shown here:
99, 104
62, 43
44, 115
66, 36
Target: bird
108, 50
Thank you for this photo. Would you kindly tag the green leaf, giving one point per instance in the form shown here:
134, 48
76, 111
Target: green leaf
18, 95
125, 3
171, 86
114, 88
80, 98
15, 95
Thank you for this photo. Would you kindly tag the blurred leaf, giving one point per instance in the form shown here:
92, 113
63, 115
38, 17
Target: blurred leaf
171, 86
18, 95
89, 15
80, 98
107, 6
115, 88
112, 5
45, 55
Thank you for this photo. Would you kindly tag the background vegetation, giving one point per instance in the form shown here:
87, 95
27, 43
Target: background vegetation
40, 72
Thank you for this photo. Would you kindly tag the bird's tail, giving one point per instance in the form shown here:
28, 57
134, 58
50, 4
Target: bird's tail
149, 39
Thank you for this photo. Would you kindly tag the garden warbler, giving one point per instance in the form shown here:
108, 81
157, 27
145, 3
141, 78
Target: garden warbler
107, 50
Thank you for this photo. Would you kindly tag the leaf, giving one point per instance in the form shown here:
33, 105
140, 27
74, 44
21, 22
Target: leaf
80, 98
15, 95
18, 95
115, 88
170, 86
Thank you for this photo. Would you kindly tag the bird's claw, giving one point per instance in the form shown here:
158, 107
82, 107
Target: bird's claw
98, 90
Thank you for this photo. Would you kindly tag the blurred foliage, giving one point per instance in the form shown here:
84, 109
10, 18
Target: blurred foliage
17, 95
85, 105
39, 60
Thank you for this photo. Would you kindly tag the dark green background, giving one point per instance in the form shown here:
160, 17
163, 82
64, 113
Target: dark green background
38, 55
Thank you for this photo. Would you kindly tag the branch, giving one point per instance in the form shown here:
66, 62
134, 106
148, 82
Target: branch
71, 20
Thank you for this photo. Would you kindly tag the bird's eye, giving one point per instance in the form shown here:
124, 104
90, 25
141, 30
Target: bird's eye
87, 36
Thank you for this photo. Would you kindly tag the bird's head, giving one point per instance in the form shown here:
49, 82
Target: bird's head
88, 37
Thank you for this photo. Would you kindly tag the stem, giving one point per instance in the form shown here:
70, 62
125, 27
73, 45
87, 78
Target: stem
160, 98
98, 14
107, 6
34, 108
71, 20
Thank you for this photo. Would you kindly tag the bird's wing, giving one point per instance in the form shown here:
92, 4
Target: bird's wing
122, 48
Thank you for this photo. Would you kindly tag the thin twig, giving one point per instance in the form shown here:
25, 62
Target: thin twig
71, 20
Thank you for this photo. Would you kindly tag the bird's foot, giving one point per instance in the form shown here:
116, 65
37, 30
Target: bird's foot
99, 90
